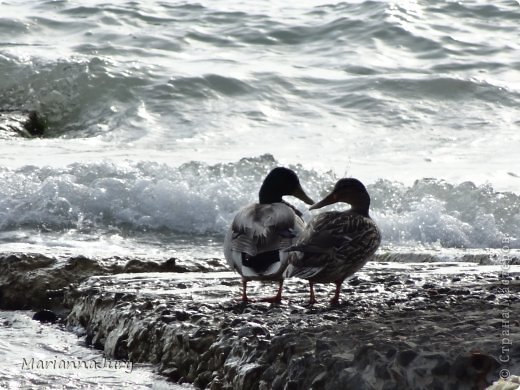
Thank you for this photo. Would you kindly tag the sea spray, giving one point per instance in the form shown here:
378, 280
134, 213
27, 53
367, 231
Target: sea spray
197, 198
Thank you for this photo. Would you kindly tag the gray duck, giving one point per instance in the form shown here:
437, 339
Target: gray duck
255, 243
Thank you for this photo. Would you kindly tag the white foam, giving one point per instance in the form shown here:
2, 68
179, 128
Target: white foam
197, 198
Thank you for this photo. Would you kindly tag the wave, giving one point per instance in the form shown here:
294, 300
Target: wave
74, 96
379, 63
197, 198
79, 99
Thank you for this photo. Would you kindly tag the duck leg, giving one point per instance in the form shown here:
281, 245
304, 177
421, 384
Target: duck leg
278, 297
244, 291
312, 299
335, 299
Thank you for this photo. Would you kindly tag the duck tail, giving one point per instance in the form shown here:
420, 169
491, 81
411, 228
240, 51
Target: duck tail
301, 272
308, 249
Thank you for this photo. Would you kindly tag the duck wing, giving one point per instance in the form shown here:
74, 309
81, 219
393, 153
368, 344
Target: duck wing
330, 240
263, 227
257, 234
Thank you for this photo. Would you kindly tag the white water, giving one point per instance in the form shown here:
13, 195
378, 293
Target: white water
150, 106
35, 356
156, 203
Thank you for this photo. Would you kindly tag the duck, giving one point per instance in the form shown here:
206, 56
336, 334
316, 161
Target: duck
335, 244
255, 243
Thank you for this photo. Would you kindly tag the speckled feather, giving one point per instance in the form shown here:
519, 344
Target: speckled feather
333, 247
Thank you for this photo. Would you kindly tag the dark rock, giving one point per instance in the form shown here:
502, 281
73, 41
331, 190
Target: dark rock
404, 358
207, 339
202, 380
181, 315
390, 385
442, 368
215, 263
121, 348
391, 353
483, 363
356, 382
202, 339
45, 316
381, 371
319, 381
167, 318
461, 292
171, 373
468, 368
169, 265
138, 266
22, 123
81, 263
35, 125
291, 385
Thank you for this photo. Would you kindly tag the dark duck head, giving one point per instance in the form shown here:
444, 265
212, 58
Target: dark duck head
350, 191
279, 182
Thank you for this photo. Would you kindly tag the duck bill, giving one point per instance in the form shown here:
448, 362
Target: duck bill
300, 194
329, 199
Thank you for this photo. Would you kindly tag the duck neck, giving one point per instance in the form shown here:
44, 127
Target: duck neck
267, 196
361, 205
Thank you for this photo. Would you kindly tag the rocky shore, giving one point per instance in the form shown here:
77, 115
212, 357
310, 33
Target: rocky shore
415, 325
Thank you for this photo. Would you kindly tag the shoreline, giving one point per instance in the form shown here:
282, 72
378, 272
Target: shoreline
399, 325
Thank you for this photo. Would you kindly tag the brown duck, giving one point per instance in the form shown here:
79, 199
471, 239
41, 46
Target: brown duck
336, 244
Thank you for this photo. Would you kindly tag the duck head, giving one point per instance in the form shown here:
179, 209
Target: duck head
350, 191
279, 182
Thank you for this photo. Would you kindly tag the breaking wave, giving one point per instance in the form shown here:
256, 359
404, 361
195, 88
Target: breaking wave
197, 198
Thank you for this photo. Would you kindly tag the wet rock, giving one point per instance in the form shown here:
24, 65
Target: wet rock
33, 281
140, 266
381, 372
442, 368
182, 315
192, 329
21, 123
167, 318
202, 339
404, 358
202, 380
473, 369
45, 316
356, 281
461, 292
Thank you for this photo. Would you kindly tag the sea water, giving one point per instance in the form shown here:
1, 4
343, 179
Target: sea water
35, 356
